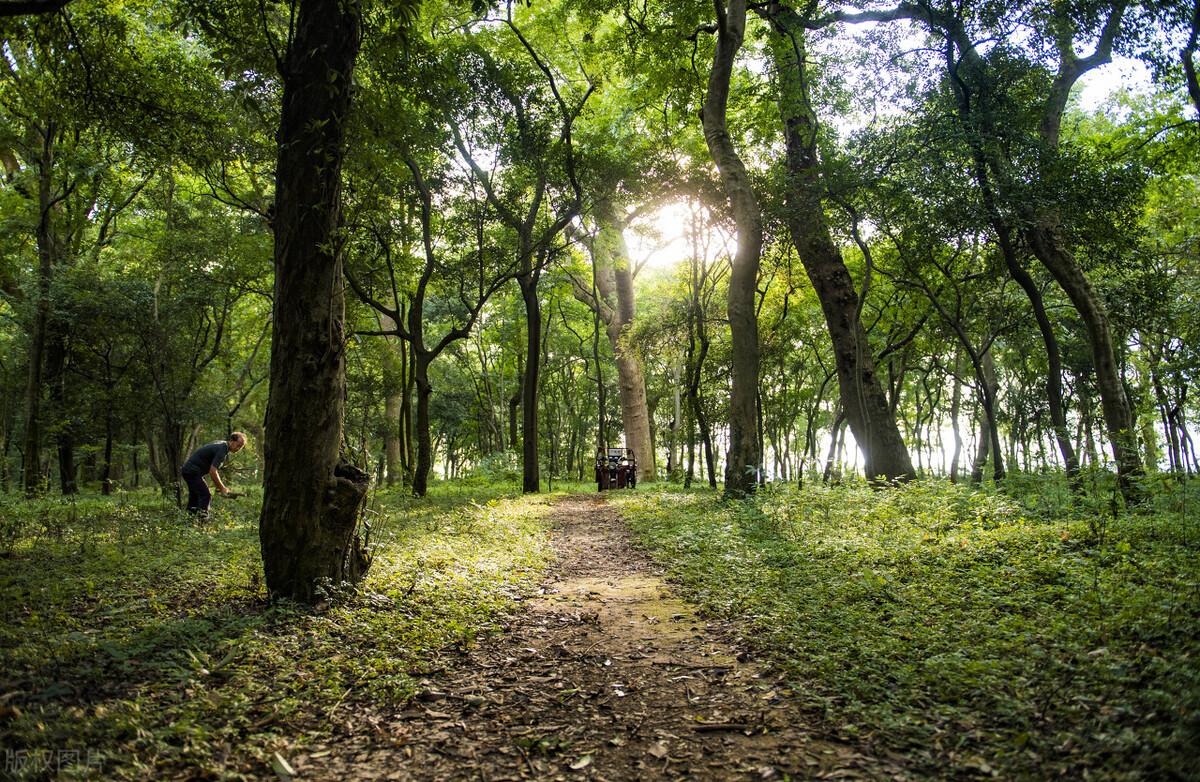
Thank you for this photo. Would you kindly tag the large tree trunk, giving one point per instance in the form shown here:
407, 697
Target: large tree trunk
740, 470
531, 478
311, 502
614, 283
865, 404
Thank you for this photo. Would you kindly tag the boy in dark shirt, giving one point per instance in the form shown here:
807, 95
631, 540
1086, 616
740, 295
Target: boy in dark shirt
204, 461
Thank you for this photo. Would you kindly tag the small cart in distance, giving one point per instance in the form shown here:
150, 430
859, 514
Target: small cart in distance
616, 468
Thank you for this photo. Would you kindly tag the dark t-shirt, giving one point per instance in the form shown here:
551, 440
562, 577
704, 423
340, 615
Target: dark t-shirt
205, 458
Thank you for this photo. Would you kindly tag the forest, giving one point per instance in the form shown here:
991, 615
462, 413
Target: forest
895, 305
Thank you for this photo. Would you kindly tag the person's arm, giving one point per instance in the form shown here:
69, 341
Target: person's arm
216, 477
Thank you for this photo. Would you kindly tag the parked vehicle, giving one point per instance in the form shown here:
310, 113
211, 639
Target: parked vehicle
616, 468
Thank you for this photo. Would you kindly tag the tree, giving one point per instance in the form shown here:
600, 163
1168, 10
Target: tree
741, 470
312, 498
547, 155
865, 404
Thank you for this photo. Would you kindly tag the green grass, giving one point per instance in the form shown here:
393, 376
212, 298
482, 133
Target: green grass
144, 643
975, 633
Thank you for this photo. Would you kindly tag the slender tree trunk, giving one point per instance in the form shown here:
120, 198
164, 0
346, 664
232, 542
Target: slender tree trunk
981, 449
55, 380
1047, 245
834, 443
46, 250
312, 499
531, 479
696, 405
990, 388
420, 483
393, 398
1054, 393
1165, 414
106, 470
601, 395
514, 402
740, 469
672, 459
955, 412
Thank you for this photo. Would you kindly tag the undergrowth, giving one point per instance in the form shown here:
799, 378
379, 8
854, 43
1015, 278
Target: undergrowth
134, 641
1016, 634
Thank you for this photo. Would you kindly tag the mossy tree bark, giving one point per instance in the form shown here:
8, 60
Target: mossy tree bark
312, 500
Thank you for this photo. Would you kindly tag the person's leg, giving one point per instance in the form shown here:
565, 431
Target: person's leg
205, 495
198, 494
193, 503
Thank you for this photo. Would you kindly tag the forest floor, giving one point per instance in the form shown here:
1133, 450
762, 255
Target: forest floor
931, 631
605, 675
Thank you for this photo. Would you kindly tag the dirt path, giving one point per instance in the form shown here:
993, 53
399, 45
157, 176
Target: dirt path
607, 676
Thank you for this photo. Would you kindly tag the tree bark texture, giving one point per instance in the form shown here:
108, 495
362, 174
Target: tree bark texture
395, 386
531, 476
46, 250
866, 405
421, 362
741, 467
312, 501
614, 283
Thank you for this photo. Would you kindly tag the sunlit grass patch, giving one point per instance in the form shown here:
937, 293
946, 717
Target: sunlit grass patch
961, 624
134, 640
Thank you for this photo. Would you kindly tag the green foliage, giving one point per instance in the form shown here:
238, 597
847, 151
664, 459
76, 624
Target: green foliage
133, 632
958, 624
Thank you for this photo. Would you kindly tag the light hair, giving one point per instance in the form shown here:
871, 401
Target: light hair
239, 437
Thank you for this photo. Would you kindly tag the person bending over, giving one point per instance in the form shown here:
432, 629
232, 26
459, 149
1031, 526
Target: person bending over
204, 461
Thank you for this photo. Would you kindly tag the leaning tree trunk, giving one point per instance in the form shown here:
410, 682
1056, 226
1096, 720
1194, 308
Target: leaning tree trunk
740, 470
311, 501
1054, 390
1046, 244
865, 404
614, 282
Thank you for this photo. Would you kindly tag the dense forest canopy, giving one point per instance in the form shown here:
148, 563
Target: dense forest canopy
887, 240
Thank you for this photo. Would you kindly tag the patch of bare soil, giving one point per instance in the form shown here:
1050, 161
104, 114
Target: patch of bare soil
606, 676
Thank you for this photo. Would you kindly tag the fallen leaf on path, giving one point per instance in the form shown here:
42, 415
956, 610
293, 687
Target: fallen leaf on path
582, 763
282, 767
658, 749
